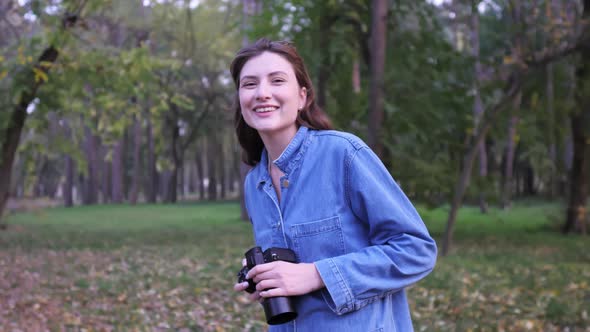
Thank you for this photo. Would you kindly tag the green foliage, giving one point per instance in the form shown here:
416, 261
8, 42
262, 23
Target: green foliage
167, 62
426, 82
426, 105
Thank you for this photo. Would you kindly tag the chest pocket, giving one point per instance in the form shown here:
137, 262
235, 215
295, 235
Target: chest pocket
318, 239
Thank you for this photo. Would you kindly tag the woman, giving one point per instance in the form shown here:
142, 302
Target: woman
325, 195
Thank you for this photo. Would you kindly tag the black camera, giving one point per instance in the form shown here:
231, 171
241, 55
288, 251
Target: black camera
278, 310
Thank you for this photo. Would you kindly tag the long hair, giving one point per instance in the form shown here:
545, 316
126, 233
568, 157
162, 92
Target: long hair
311, 115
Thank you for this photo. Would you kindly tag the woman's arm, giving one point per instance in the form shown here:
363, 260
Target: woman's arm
401, 251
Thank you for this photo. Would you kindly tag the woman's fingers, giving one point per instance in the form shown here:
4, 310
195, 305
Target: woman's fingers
272, 292
271, 274
285, 279
241, 286
266, 284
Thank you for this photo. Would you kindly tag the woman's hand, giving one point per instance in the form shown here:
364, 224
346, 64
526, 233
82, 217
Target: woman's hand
241, 286
281, 278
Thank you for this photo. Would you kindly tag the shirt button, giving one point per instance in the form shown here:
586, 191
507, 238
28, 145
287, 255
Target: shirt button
285, 183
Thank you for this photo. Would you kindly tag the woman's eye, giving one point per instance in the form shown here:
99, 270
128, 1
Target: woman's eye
278, 80
248, 84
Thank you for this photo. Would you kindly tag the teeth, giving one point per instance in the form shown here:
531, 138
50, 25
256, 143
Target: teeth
264, 109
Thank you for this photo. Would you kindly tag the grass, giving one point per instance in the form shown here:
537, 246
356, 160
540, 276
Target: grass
172, 267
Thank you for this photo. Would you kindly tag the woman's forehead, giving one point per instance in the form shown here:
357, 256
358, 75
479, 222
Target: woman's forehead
265, 64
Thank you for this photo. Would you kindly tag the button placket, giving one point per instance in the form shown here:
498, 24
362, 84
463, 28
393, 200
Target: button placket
278, 233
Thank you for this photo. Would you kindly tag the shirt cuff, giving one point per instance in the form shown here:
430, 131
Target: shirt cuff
340, 298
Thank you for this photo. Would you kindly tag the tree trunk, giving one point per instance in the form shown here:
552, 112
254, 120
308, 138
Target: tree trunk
133, 195
529, 180
151, 178
107, 182
567, 156
91, 151
200, 173
191, 177
510, 152
234, 171
576, 210
580, 123
477, 103
356, 76
377, 49
11, 135
41, 166
69, 182
549, 91
117, 170
164, 185
222, 169
212, 168
176, 164
180, 185
469, 157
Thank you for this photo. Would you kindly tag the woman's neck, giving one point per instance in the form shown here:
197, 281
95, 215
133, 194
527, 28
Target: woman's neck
276, 143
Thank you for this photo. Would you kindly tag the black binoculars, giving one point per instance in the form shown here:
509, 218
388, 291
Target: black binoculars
278, 310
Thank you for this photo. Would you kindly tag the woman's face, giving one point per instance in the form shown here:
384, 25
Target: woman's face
270, 95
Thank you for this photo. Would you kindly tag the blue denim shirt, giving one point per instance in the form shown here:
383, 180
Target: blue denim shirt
341, 209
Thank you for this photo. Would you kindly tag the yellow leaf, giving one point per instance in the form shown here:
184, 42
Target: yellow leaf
508, 60
3, 74
40, 75
1, 58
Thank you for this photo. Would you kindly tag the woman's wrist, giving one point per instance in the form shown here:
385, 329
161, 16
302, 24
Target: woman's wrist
317, 281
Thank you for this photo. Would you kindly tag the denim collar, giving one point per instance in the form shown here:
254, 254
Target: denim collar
289, 159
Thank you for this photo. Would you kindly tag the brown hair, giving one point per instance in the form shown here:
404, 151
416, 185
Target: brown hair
311, 114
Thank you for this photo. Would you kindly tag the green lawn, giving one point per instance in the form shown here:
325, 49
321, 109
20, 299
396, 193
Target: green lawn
172, 267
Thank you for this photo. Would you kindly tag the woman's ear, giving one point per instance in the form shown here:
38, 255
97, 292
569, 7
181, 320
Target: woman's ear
302, 98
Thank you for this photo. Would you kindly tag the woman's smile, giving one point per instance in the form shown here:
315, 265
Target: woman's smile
265, 109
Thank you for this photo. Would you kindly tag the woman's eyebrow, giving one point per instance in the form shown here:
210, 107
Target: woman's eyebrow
277, 73
250, 77
254, 77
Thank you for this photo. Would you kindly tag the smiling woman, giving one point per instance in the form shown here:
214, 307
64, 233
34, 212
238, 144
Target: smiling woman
326, 197
270, 98
309, 114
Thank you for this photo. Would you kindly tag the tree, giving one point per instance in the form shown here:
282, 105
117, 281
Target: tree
527, 60
477, 102
27, 83
580, 122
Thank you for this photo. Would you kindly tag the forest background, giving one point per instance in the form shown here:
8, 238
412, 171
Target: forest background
478, 103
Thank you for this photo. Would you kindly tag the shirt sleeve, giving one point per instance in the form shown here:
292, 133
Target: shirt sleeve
401, 251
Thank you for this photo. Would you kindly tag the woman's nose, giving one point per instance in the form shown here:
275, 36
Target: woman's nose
263, 91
